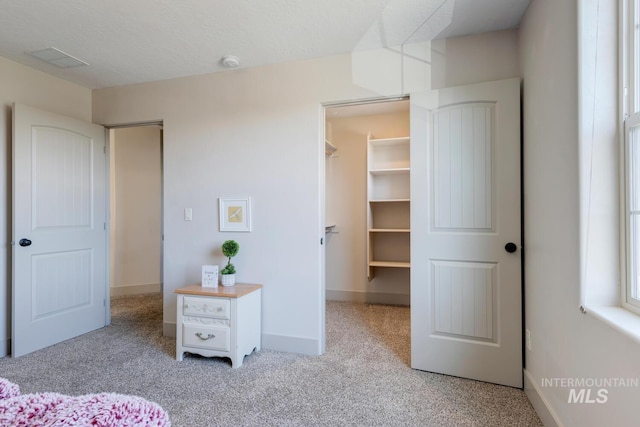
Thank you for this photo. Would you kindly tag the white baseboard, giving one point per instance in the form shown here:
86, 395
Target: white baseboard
169, 329
289, 344
145, 288
369, 297
5, 347
539, 402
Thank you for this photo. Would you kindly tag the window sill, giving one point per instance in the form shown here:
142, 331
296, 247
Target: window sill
618, 318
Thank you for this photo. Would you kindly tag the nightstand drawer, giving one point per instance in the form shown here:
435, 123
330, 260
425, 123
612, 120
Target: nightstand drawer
216, 338
209, 307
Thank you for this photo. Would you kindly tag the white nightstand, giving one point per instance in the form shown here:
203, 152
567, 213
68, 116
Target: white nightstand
223, 321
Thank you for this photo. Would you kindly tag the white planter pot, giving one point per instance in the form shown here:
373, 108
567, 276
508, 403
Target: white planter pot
228, 279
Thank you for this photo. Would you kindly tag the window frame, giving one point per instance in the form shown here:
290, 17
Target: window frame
630, 107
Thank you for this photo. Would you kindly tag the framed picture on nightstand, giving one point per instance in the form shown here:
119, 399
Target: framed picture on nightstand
235, 213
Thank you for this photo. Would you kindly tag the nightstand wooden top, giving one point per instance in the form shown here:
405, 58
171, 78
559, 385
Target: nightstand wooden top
235, 291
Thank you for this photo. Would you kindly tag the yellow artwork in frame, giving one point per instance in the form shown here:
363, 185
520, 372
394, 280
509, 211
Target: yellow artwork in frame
235, 213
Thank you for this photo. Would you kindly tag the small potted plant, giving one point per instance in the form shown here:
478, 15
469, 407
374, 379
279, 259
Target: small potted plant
230, 249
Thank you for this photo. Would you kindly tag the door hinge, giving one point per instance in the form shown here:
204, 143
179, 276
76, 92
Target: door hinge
105, 225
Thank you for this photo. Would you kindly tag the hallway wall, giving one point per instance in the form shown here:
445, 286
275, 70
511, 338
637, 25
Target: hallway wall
136, 210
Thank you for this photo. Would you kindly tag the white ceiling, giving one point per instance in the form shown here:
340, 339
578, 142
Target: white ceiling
134, 41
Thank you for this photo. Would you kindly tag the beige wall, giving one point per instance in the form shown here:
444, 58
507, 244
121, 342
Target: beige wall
346, 251
258, 133
136, 210
26, 86
472, 59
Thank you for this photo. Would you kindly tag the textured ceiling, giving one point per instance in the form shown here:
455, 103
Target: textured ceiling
134, 41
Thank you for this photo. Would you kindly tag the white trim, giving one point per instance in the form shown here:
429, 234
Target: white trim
159, 123
625, 204
541, 405
322, 223
619, 319
365, 101
5, 346
169, 329
107, 224
624, 103
623, 77
290, 344
630, 104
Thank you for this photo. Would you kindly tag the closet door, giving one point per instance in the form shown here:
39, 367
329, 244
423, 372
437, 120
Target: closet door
465, 232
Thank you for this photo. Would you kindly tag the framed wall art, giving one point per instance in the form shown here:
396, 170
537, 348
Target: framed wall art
235, 213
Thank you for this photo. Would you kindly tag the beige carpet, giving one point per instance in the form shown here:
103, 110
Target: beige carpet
363, 379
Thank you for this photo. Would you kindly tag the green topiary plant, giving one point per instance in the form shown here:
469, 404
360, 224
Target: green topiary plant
230, 249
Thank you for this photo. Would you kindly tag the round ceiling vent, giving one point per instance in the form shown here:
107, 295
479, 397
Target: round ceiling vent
230, 61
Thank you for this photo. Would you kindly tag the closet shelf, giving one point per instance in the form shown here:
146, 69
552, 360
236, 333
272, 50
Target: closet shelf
380, 142
389, 171
389, 230
390, 201
394, 264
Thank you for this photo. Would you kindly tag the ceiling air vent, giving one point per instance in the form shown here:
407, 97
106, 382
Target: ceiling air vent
57, 57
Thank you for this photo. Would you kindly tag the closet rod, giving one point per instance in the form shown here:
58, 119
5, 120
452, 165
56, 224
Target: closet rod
365, 101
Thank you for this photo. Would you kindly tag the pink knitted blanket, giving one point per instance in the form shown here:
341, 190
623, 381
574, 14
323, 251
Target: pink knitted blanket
53, 409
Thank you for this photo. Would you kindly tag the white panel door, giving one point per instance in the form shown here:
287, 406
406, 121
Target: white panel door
466, 301
59, 237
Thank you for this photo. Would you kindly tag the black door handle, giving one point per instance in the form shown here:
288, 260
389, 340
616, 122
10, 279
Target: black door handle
24, 242
510, 247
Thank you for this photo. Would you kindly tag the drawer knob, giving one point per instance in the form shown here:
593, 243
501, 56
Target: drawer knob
203, 337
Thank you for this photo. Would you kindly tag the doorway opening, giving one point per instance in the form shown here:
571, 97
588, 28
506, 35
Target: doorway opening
135, 205
367, 249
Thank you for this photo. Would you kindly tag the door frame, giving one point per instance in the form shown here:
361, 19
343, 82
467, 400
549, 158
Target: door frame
108, 132
323, 193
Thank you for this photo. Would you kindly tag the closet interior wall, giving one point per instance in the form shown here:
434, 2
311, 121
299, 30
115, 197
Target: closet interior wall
346, 203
